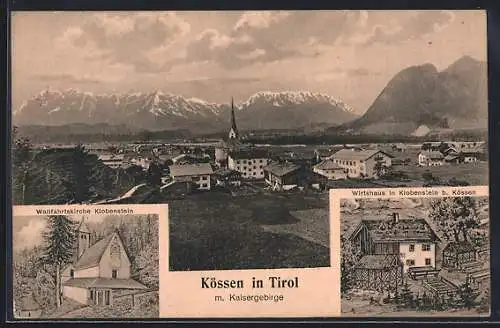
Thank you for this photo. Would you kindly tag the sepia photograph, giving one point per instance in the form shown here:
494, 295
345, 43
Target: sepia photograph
415, 256
243, 120
85, 266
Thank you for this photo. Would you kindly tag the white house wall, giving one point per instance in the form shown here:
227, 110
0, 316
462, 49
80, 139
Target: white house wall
76, 293
106, 269
418, 255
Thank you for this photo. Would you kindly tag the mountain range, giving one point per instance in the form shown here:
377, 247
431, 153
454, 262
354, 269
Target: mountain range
163, 111
416, 101
420, 99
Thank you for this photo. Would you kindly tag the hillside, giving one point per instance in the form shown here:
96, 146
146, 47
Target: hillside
421, 97
163, 111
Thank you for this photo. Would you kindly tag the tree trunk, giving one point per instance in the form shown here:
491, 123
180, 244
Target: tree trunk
456, 235
58, 285
464, 234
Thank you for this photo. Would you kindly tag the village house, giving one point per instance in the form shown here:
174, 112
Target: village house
412, 241
250, 162
114, 161
226, 177
430, 158
197, 174
27, 307
321, 154
331, 170
99, 271
362, 163
282, 176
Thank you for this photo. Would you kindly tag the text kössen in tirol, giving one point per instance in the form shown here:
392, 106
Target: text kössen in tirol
272, 282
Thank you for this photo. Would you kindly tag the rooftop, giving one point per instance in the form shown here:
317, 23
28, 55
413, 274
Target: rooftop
402, 230
249, 153
433, 154
328, 164
379, 262
355, 154
92, 255
191, 169
27, 303
104, 283
281, 169
459, 247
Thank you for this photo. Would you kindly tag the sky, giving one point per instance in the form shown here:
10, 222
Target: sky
350, 55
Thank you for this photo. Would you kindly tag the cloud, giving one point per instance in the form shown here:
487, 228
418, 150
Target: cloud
385, 28
67, 78
30, 234
126, 38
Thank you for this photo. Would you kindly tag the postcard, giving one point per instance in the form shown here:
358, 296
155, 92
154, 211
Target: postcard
86, 261
413, 251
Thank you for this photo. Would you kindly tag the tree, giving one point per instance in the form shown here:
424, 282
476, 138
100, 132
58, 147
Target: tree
380, 169
83, 185
467, 295
456, 215
58, 248
21, 160
406, 295
153, 176
350, 256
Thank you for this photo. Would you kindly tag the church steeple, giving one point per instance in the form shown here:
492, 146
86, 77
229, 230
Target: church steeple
83, 238
233, 133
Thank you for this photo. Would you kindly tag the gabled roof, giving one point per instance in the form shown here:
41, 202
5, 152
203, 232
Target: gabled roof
378, 262
328, 164
281, 169
104, 283
432, 154
27, 303
249, 153
404, 230
83, 227
191, 169
354, 154
92, 255
459, 247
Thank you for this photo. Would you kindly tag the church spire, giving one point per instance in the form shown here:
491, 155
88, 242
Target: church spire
233, 133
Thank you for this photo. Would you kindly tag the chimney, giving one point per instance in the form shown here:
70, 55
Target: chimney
395, 217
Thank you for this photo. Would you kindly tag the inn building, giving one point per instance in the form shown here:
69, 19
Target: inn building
361, 163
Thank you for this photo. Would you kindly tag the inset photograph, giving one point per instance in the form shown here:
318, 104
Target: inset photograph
94, 266
415, 256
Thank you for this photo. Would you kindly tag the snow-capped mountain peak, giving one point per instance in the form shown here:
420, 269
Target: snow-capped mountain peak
162, 110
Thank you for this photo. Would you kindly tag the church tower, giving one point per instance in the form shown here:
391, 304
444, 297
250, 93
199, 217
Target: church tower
83, 238
233, 133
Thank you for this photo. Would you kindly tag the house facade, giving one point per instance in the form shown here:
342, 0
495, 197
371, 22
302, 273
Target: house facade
331, 170
99, 270
199, 174
431, 158
282, 176
249, 162
362, 163
114, 161
412, 240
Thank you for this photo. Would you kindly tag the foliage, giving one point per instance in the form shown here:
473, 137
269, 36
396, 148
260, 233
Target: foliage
154, 173
456, 215
59, 240
350, 256
455, 182
468, 296
485, 302
430, 179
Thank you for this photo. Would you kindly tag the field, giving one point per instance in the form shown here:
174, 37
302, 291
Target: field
215, 230
475, 173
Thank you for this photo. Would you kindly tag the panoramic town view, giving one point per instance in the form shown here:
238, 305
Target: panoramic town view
242, 121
